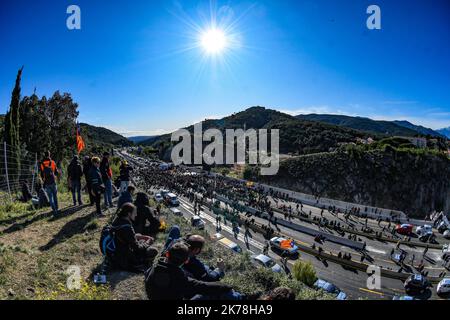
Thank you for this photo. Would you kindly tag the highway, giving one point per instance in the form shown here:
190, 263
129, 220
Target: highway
352, 282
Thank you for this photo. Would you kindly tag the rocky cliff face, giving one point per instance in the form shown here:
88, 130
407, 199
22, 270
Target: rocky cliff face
416, 183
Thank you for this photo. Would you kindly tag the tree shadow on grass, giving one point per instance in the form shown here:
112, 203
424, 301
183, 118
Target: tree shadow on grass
63, 213
69, 230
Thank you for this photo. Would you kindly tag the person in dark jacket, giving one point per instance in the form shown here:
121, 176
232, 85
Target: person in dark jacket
106, 173
75, 172
144, 215
133, 250
127, 196
42, 195
194, 267
87, 165
124, 176
26, 193
166, 280
96, 181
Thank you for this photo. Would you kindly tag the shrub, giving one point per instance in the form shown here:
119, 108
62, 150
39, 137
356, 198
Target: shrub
304, 272
88, 291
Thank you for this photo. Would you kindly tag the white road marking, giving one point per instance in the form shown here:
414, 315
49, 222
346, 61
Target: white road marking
375, 250
206, 216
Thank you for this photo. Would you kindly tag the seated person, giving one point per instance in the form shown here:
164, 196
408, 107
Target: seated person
26, 194
133, 250
167, 281
194, 267
44, 201
280, 293
126, 196
144, 215
197, 269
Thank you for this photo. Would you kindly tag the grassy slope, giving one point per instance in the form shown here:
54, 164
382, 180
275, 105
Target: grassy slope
36, 251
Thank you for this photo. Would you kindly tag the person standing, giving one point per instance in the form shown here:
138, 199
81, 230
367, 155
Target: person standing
75, 172
87, 165
425, 250
97, 187
49, 173
106, 172
124, 176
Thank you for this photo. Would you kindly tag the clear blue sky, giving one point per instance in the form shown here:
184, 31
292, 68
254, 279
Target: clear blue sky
134, 67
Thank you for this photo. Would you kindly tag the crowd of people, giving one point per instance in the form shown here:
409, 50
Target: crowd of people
176, 272
98, 180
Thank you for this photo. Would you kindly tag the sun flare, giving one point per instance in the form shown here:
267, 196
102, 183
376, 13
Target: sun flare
214, 41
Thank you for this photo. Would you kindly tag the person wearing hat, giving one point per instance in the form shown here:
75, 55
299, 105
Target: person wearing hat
106, 172
75, 172
124, 176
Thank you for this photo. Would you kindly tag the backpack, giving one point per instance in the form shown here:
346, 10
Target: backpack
49, 175
107, 241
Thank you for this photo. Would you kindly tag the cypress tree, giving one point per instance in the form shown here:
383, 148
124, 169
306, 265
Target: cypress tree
12, 124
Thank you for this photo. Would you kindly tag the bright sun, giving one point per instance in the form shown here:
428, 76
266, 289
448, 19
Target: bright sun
214, 41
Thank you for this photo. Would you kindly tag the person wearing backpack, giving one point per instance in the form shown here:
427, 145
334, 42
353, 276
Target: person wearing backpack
144, 215
166, 280
106, 172
75, 172
49, 174
133, 251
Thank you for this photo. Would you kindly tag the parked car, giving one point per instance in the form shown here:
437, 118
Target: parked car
266, 262
447, 234
416, 284
172, 200
403, 298
425, 229
158, 198
404, 229
442, 227
398, 256
426, 236
443, 288
330, 288
176, 212
164, 192
283, 245
198, 223
230, 245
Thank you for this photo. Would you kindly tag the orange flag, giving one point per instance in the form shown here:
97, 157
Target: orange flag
80, 142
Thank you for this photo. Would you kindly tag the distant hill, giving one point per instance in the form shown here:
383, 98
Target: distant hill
102, 136
360, 123
296, 135
445, 132
420, 129
96, 138
140, 139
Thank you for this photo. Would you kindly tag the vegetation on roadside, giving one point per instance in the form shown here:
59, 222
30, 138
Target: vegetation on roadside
304, 272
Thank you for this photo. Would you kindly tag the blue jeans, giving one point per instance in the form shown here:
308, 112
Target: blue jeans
76, 192
123, 186
108, 193
174, 234
231, 295
52, 192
